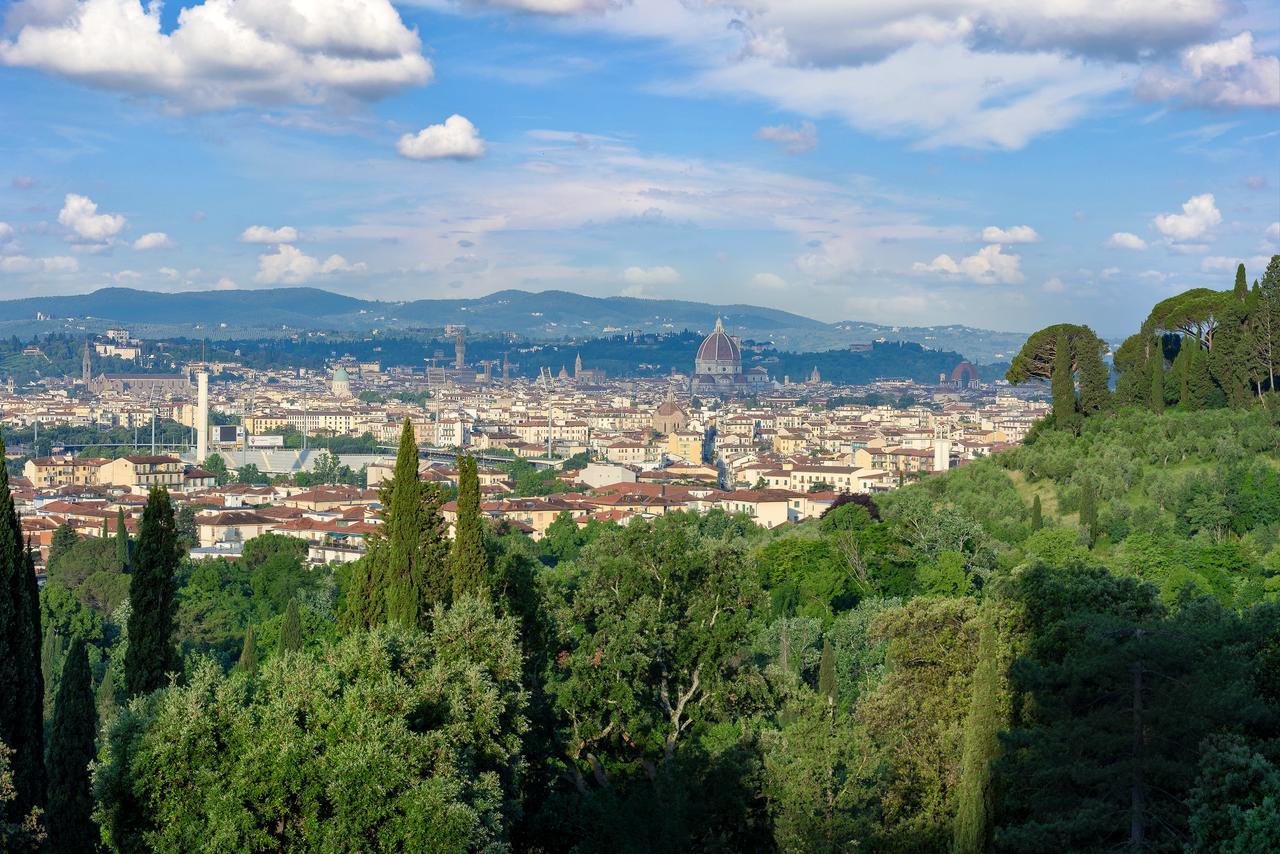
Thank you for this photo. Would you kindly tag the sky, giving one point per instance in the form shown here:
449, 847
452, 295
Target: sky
998, 163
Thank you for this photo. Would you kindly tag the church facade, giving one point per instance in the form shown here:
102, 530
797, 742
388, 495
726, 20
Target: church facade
717, 367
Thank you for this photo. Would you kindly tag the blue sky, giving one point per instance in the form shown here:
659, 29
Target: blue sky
991, 162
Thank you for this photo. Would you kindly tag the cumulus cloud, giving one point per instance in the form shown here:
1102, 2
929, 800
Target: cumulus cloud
1219, 74
651, 275
1053, 285
153, 240
1199, 214
1218, 264
6, 232
1273, 231
1126, 240
989, 265
792, 140
222, 53
225, 284
266, 234
23, 264
768, 280
80, 214
456, 139
289, 265
168, 272
1013, 234
546, 7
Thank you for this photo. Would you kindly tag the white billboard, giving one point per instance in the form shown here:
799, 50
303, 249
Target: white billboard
266, 441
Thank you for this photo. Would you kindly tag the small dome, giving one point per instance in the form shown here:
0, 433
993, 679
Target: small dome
340, 375
719, 347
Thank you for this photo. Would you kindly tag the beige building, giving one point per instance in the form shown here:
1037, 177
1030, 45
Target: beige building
142, 472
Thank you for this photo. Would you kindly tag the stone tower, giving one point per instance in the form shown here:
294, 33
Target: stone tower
86, 365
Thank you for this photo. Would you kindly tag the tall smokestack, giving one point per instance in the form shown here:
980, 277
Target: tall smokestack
202, 416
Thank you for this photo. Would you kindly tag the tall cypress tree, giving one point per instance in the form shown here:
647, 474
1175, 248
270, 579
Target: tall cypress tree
406, 571
1062, 386
1089, 511
470, 560
52, 653
122, 540
1037, 515
249, 653
71, 749
21, 680
151, 653
827, 673
291, 629
64, 538
1241, 291
1157, 383
971, 832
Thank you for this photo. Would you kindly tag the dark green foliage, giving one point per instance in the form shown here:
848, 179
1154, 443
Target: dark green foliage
71, 749
64, 539
1089, 511
1241, 291
122, 540
52, 651
469, 559
975, 811
21, 679
291, 629
827, 673
1063, 386
1235, 804
152, 592
1156, 401
248, 662
1037, 515
406, 570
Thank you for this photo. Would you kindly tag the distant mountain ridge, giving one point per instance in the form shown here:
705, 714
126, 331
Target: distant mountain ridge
544, 315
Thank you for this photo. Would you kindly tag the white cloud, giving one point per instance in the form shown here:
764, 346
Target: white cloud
456, 139
225, 284
988, 266
153, 240
1110, 272
1273, 231
1219, 74
1013, 234
290, 266
651, 276
768, 280
6, 232
222, 53
1218, 264
80, 214
546, 7
792, 140
23, 264
168, 272
1126, 240
1199, 214
266, 234
1053, 285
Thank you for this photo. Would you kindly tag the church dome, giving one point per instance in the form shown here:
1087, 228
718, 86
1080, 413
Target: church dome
340, 375
719, 347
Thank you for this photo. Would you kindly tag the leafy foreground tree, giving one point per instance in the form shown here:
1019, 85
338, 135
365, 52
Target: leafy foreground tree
390, 740
406, 571
27, 832
71, 749
152, 590
21, 680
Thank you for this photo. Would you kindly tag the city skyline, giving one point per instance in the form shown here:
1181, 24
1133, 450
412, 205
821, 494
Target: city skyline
990, 165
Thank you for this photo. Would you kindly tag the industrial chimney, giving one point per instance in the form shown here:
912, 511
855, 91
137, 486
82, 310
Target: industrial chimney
202, 416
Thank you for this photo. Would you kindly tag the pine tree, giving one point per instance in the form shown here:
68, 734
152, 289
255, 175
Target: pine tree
1089, 512
64, 538
1037, 517
71, 749
21, 678
291, 629
151, 653
1062, 387
469, 558
249, 653
122, 540
971, 832
827, 673
1241, 291
1157, 383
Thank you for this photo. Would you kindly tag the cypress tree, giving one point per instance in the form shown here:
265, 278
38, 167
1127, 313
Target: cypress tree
151, 654
122, 540
21, 677
971, 832
1062, 386
71, 749
105, 532
1242, 284
1089, 512
1157, 384
249, 653
291, 629
64, 538
470, 560
1037, 517
827, 673
51, 662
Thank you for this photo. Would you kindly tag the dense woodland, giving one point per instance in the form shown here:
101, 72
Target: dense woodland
1073, 645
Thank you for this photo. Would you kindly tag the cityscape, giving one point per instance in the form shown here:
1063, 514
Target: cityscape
632, 426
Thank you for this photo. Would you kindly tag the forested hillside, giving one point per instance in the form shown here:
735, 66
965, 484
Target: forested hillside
1073, 645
